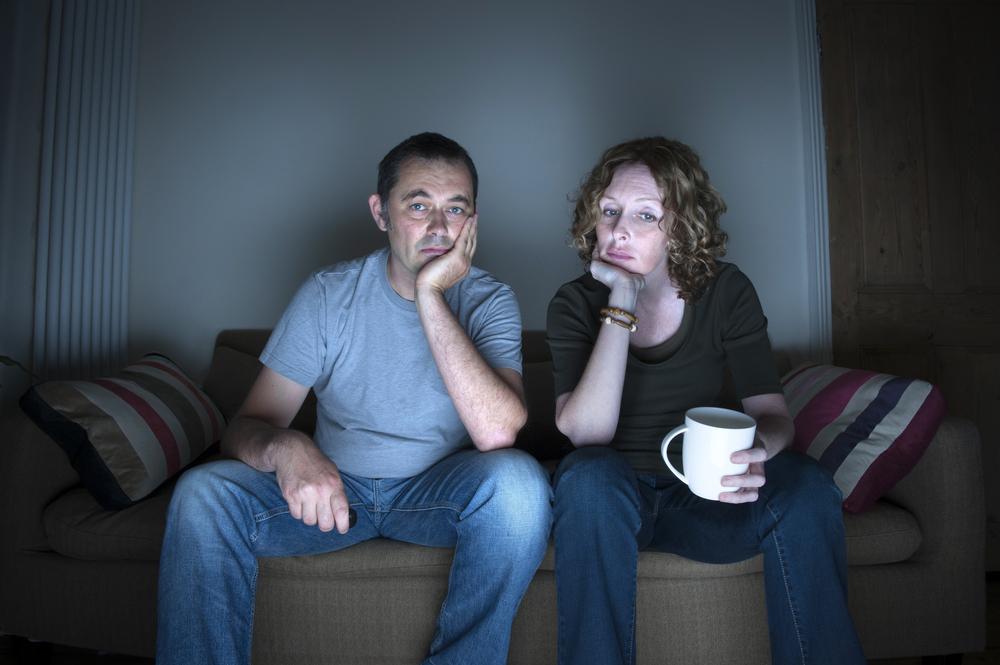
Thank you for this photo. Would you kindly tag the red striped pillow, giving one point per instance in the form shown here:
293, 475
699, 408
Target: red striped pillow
127, 434
868, 429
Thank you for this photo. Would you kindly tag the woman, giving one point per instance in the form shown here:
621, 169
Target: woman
635, 343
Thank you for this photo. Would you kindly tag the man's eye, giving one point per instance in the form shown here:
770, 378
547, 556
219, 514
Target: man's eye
418, 206
455, 210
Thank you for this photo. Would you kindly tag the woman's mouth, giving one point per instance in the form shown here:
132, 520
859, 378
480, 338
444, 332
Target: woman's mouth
617, 256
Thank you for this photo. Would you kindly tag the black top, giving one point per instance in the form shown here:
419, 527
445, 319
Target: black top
727, 323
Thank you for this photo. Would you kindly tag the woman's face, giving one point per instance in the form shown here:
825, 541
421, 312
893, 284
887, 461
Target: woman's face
630, 230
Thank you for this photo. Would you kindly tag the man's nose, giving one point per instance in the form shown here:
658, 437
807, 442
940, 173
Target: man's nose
437, 222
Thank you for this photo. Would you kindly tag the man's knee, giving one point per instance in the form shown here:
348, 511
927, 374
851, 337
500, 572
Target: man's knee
208, 491
519, 490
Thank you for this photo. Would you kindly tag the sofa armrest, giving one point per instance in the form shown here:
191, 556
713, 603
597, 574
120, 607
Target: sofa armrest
945, 493
34, 471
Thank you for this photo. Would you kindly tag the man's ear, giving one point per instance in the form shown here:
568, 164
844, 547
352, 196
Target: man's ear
375, 203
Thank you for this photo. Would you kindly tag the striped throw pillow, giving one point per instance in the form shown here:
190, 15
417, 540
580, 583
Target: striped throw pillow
868, 429
127, 434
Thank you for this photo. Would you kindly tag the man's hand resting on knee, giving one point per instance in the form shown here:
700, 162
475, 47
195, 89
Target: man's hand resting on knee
310, 483
259, 437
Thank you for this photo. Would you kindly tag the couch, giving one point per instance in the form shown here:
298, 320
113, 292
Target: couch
72, 573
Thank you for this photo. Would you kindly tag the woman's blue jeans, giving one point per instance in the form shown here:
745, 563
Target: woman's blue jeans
605, 513
494, 508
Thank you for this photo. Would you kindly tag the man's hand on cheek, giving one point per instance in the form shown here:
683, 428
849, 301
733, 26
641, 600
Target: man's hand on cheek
445, 271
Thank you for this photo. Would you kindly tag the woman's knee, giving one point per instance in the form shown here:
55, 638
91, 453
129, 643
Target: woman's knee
806, 482
595, 478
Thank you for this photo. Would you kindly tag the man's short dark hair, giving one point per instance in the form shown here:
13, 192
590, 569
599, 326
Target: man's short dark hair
428, 145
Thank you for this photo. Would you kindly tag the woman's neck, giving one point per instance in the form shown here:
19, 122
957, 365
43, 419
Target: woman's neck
659, 288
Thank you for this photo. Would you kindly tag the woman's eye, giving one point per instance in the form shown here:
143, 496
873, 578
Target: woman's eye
610, 212
646, 217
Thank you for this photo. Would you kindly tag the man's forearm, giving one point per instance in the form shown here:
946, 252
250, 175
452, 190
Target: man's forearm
252, 442
491, 410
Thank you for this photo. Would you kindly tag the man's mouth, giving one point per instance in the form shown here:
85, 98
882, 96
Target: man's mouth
432, 248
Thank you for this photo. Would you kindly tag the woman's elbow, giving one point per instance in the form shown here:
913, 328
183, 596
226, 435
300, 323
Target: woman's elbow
583, 436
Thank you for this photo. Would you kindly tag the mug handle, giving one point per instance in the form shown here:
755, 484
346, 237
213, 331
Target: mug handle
663, 451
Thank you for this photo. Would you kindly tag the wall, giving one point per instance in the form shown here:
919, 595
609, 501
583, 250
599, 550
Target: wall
260, 127
23, 30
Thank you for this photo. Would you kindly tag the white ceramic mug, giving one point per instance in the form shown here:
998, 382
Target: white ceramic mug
711, 436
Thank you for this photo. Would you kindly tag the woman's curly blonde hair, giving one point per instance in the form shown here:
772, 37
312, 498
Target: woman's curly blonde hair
696, 240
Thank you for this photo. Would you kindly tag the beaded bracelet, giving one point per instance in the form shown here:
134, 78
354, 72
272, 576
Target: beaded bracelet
628, 326
619, 312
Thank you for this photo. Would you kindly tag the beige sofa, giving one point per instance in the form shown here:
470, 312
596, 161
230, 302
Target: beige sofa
74, 574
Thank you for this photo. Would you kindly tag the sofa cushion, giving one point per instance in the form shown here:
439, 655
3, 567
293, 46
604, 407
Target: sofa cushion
232, 374
230, 377
78, 527
868, 429
127, 434
540, 436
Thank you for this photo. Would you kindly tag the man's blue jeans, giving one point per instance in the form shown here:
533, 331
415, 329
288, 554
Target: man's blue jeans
605, 513
494, 508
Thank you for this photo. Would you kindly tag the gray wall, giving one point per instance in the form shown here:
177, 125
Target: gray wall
23, 30
260, 126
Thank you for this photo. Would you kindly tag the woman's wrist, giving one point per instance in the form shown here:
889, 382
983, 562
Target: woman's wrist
624, 297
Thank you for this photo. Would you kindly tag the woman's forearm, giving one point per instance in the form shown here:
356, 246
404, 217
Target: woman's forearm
589, 414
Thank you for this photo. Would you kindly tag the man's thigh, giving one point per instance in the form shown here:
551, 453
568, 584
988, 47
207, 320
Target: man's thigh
506, 488
252, 501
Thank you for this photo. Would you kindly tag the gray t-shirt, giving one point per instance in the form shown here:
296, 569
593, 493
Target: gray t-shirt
383, 408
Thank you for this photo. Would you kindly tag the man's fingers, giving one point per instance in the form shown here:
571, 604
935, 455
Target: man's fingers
474, 238
342, 514
325, 517
308, 513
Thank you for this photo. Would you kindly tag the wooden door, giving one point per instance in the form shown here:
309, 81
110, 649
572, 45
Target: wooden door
911, 103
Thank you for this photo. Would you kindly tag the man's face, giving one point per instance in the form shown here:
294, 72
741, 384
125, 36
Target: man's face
426, 211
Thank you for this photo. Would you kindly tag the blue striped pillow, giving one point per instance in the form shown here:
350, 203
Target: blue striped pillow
868, 429
127, 434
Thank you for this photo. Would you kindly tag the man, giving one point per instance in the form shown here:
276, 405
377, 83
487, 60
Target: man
415, 359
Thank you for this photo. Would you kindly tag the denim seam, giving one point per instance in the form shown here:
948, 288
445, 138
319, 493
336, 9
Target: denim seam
784, 574
425, 507
268, 514
253, 607
630, 657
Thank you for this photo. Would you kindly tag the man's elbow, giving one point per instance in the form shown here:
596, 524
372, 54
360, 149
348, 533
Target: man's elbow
503, 435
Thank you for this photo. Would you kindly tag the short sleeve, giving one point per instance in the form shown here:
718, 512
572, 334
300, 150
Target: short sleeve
497, 334
297, 348
572, 329
744, 337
